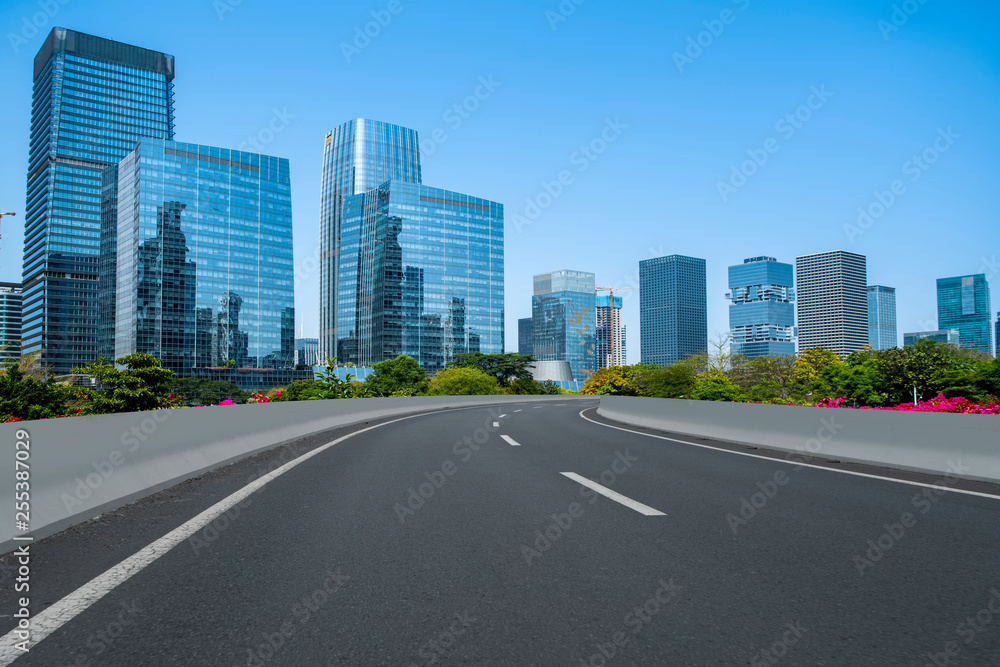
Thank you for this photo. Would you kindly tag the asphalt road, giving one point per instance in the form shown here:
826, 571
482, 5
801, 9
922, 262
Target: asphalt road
434, 540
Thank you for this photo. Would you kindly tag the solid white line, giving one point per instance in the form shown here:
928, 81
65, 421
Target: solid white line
511, 441
614, 495
52, 618
802, 464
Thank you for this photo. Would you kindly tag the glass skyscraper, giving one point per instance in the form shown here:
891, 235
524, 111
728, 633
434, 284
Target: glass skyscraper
420, 273
831, 290
610, 333
10, 321
964, 304
882, 333
359, 156
673, 309
762, 312
564, 320
950, 337
92, 100
525, 336
204, 261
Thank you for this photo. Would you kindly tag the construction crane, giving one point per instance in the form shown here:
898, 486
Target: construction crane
611, 291
1, 218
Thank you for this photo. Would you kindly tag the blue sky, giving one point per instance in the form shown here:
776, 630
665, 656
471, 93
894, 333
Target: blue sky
884, 85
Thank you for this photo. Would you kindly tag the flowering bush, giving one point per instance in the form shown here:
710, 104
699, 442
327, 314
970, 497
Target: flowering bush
939, 403
259, 397
228, 401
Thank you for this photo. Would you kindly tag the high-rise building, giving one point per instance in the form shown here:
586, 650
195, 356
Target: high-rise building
673, 309
996, 337
307, 351
882, 333
564, 319
951, 337
204, 260
610, 333
831, 290
92, 100
525, 336
10, 321
964, 304
420, 273
762, 308
358, 157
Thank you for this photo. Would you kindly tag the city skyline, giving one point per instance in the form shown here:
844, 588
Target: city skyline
807, 186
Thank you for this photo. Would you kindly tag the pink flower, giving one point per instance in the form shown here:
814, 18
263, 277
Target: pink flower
277, 393
228, 401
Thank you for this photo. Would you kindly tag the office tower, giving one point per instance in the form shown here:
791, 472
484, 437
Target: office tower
307, 351
762, 310
673, 309
996, 337
950, 337
525, 336
964, 304
564, 319
204, 248
610, 333
359, 156
420, 273
92, 100
10, 321
882, 317
832, 301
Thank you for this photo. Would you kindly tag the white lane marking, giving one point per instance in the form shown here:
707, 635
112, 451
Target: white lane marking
501, 416
511, 441
496, 424
54, 617
803, 464
516, 410
539, 407
615, 496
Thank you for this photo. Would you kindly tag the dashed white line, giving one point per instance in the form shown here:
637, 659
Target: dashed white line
511, 441
496, 424
501, 416
539, 407
516, 410
615, 496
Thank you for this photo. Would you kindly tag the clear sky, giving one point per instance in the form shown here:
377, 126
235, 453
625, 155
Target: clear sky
884, 86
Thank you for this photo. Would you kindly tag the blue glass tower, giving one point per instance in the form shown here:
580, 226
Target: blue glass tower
564, 319
762, 312
92, 100
673, 309
204, 261
964, 304
882, 333
420, 273
359, 156
525, 336
10, 321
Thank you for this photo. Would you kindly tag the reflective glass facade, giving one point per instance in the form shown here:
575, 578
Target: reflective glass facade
831, 291
564, 320
882, 317
525, 336
10, 321
420, 272
610, 333
204, 261
964, 304
358, 156
92, 100
951, 337
673, 309
762, 308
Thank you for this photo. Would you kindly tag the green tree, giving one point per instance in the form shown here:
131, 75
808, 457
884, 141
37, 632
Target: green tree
203, 391
401, 376
329, 385
923, 366
987, 378
713, 385
463, 381
766, 378
528, 386
673, 381
25, 397
503, 367
295, 390
614, 381
143, 385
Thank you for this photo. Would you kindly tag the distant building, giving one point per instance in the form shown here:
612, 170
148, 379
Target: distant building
307, 352
996, 338
563, 316
831, 290
882, 333
10, 321
610, 333
204, 255
950, 337
525, 336
673, 309
762, 308
964, 304
93, 99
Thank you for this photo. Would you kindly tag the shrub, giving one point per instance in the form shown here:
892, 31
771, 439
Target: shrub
463, 381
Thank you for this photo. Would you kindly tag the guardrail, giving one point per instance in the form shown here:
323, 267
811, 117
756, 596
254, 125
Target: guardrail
80, 467
954, 445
